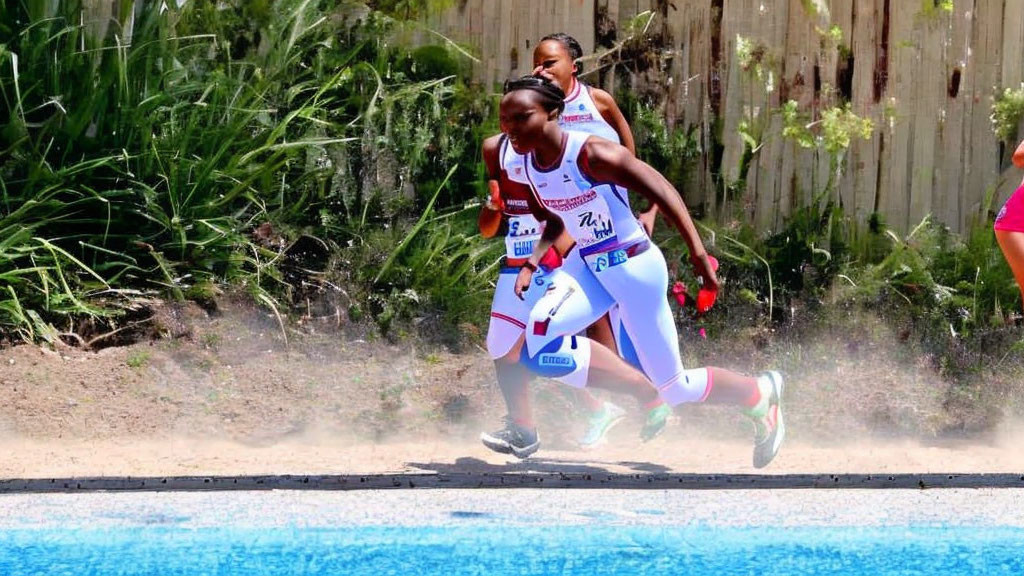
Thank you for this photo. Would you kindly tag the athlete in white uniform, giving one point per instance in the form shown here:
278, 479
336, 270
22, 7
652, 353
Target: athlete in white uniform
556, 57
574, 178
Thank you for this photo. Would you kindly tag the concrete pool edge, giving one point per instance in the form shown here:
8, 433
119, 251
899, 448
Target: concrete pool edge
484, 480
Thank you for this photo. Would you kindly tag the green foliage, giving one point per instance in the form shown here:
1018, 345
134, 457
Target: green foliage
1007, 113
410, 9
816, 8
936, 8
672, 150
838, 126
149, 166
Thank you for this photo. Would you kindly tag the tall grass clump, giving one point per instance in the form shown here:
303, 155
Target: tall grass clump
168, 149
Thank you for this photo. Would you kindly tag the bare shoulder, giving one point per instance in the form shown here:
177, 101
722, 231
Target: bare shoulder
599, 149
603, 99
600, 157
491, 143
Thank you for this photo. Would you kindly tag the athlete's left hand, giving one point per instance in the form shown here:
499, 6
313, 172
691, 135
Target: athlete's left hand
523, 281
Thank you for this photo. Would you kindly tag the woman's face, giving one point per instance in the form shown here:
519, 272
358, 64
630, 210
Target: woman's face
552, 61
523, 118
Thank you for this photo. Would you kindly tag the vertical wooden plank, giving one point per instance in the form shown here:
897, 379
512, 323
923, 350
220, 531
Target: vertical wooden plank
842, 12
693, 82
1013, 44
801, 54
736, 21
929, 86
949, 172
903, 56
863, 163
769, 181
501, 14
982, 162
580, 22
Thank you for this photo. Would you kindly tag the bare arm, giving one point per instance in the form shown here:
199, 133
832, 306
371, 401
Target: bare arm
613, 115
606, 161
488, 211
1018, 155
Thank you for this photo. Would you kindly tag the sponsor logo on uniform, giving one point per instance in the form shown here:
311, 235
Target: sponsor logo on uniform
565, 178
567, 204
582, 107
555, 360
600, 228
616, 257
603, 230
577, 118
522, 248
517, 203
609, 259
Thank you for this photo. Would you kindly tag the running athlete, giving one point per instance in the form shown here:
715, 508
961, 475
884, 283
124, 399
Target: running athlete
1009, 226
574, 178
556, 58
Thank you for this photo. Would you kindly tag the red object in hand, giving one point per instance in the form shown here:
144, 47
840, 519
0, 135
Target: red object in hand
495, 189
706, 299
679, 292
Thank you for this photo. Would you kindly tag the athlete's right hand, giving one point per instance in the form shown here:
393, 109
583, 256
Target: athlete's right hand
523, 281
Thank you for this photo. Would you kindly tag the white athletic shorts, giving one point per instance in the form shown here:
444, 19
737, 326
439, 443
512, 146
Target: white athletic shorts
639, 285
509, 314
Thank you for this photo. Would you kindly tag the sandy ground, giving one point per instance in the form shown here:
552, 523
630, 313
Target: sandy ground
227, 396
42, 459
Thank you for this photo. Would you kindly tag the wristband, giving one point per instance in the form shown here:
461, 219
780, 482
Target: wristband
530, 266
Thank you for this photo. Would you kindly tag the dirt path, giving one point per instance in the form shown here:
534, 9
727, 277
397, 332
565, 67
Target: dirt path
227, 396
42, 459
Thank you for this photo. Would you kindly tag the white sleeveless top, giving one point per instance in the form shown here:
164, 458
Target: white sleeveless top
581, 114
596, 215
524, 229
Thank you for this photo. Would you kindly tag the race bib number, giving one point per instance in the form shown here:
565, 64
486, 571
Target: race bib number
594, 223
523, 233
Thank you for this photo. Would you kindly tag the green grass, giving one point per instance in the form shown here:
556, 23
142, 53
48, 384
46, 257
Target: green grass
141, 166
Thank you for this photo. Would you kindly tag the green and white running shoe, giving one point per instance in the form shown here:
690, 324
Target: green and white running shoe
654, 425
600, 423
769, 426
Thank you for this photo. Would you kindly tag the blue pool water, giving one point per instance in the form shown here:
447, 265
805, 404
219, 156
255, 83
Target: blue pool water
470, 546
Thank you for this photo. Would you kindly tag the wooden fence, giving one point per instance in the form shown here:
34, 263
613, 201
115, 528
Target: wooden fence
923, 71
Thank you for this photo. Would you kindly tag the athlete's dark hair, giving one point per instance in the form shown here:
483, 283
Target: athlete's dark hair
572, 46
552, 97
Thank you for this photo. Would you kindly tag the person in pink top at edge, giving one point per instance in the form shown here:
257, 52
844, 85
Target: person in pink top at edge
557, 58
1009, 226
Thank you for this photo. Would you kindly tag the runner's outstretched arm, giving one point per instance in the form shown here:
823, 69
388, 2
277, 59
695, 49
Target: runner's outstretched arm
605, 161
